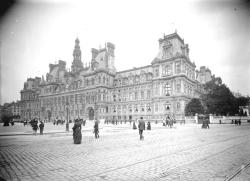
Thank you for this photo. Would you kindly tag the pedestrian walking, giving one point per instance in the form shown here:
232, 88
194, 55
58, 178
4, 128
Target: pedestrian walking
141, 127
35, 127
167, 121
77, 134
96, 129
41, 126
148, 125
134, 126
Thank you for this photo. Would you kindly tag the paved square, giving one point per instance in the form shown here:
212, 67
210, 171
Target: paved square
185, 152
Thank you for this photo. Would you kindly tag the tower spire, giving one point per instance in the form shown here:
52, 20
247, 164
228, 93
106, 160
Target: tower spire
77, 63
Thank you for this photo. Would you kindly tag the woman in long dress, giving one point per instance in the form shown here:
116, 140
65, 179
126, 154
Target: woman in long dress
77, 134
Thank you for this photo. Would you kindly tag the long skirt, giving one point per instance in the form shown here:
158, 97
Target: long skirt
77, 136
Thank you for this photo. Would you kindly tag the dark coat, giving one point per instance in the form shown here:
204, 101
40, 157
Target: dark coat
77, 134
41, 125
35, 126
96, 127
141, 125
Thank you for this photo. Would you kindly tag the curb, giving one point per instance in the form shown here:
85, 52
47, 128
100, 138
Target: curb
45, 133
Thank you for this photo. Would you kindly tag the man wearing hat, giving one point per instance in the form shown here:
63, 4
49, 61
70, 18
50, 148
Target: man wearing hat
141, 127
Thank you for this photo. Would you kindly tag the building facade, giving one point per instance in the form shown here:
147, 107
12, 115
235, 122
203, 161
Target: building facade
30, 103
97, 90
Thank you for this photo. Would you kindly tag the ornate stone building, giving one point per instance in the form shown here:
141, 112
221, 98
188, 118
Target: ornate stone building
98, 91
30, 103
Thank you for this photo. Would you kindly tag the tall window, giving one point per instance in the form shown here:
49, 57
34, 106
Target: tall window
80, 96
130, 108
142, 94
142, 108
168, 70
148, 94
76, 98
59, 101
178, 67
148, 107
136, 108
130, 96
136, 95
178, 87
124, 109
156, 89
167, 89
119, 109
156, 71
166, 51
71, 99
125, 96
88, 98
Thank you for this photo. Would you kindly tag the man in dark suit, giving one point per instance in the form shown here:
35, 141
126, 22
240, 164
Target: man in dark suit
141, 127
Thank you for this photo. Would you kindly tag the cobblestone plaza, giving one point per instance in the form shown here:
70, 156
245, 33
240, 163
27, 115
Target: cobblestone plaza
185, 152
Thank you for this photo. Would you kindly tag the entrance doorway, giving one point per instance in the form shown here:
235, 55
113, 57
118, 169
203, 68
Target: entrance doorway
91, 113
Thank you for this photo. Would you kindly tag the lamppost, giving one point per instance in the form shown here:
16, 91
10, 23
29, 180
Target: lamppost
67, 111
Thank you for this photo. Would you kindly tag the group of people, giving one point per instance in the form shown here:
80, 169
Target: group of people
115, 121
77, 130
169, 122
205, 123
236, 122
34, 124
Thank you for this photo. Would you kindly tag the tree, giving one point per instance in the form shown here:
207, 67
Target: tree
219, 99
193, 107
6, 119
242, 101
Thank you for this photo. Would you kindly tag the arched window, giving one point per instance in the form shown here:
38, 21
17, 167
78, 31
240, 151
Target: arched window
142, 108
167, 89
130, 108
136, 108
167, 106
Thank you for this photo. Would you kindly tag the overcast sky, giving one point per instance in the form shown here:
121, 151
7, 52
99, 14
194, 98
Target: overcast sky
33, 35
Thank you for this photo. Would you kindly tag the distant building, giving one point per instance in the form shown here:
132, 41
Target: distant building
11, 109
30, 104
98, 90
15, 108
